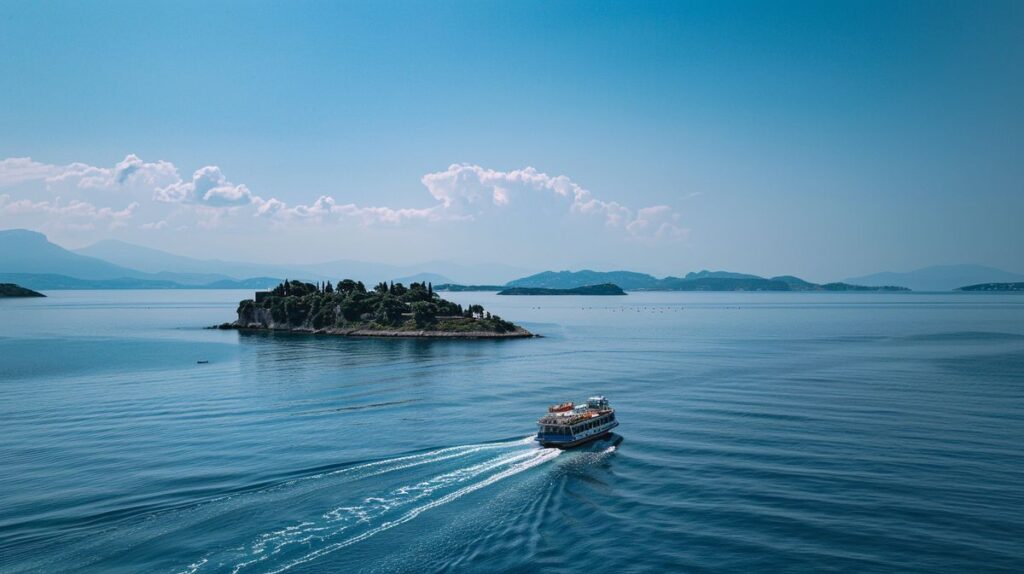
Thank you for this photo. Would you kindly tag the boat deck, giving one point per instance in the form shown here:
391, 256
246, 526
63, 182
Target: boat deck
570, 417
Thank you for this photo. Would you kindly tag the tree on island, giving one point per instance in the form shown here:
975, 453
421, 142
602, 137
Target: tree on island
347, 305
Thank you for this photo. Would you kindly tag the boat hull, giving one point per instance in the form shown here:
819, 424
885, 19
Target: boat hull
578, 442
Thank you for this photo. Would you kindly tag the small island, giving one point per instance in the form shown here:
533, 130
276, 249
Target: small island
603, 289
12, 290
993, 287
387, 310
455, 287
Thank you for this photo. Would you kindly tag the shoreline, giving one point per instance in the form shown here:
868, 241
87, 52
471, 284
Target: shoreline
382, 333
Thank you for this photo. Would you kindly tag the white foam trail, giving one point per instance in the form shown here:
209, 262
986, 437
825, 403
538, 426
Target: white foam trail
461, 450
419, 459
539, 457
341, 519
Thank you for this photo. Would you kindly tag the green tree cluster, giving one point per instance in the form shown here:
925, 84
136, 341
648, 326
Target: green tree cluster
388, 305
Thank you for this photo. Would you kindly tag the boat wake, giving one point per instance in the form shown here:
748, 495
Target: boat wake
444, 475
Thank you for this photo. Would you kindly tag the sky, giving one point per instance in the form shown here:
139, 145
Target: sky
821, 139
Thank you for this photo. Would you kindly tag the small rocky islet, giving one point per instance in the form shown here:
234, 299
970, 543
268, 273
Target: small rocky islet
14, 290
386, 310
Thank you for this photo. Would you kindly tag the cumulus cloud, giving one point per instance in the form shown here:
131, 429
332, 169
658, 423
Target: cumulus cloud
208, 185
465, 186
461, 192
129, 170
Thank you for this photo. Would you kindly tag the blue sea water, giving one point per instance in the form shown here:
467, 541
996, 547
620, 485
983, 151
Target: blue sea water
759, 432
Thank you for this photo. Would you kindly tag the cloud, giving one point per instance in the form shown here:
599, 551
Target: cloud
326, 208
127, 171
464, 187
659, 222
209, 186
460, 193
73, 213
18, 169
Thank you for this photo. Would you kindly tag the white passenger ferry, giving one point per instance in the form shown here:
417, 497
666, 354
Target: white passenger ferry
568, 425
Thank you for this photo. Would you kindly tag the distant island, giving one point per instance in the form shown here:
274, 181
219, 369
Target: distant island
570, 283
387, 310
455, 287
994, 287
32, 261
602, 289
12, 290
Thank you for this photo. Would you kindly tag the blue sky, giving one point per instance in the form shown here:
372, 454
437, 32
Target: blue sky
822, 139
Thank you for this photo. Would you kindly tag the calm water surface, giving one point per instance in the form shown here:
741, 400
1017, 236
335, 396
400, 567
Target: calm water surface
760, 432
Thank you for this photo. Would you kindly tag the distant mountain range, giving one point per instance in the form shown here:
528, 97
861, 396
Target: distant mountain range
940, 277
150, 260
696, 281
29, 259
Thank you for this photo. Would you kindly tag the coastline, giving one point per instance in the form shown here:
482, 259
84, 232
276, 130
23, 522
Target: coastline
519, 333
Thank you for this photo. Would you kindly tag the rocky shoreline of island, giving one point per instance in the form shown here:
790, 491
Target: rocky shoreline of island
14, 290
518, 333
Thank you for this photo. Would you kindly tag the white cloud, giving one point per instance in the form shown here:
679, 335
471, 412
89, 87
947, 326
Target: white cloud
127, 171
75, 213
461, 192
326, 208
465, 186
209, 186
18, 169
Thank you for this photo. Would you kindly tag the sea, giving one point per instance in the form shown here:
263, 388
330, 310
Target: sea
760, 432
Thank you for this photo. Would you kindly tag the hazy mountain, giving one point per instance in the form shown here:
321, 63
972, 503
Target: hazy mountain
940, 277
156, 261
152, 260
24, 251
705, 274
491, 273
52, 281
697, 281
795, 283
30, 259
740, 283
424, 278
573, 279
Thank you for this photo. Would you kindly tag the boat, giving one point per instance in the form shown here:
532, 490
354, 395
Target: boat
566, 427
